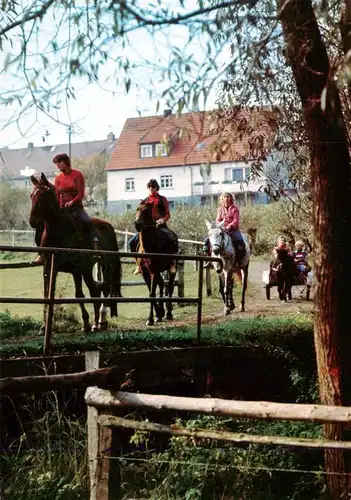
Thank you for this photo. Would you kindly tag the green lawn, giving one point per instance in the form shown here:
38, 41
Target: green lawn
28, 283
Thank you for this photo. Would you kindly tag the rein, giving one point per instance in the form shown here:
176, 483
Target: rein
222, 245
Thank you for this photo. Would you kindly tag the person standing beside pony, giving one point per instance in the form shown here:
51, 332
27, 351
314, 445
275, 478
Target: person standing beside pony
228, 212
70, 190
160, 214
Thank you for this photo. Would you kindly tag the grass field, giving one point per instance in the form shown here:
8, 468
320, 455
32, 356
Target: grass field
23, 283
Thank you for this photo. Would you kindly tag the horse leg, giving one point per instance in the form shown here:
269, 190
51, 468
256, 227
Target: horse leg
159, 306
245, 272
230, 291
170, 290
227, 276
77, 277
104, 287
94, 291
221, 286
152, 293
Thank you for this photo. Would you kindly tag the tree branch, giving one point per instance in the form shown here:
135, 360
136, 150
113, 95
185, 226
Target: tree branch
177, 19
27, 17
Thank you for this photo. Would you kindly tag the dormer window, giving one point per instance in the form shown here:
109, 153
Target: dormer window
161, 150
153, 150
146, 151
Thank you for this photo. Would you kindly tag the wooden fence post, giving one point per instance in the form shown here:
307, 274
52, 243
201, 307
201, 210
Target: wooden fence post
50, 308
92, 363
104, 474
208, 282
181, 281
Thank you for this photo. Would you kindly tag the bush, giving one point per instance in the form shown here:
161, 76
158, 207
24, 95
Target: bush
48, 461
192, 468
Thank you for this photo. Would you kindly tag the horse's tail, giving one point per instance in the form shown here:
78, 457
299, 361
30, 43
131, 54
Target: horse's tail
112, 267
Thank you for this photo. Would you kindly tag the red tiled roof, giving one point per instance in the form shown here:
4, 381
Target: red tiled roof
190, 135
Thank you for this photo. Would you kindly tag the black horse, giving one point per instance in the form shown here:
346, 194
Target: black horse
154, 240
286, 271
63, 231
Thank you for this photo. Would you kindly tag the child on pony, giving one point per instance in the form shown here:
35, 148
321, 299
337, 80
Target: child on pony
300, 257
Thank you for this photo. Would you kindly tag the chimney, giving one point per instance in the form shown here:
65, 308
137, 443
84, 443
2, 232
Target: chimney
167, 112
111, 137
30, 145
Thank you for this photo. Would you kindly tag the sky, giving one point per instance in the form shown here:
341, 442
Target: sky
99, 108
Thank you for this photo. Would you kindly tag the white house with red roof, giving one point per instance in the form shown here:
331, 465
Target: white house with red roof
174, 150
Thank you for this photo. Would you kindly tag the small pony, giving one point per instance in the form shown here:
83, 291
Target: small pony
153, 240
63, 231
286, 270
222, 246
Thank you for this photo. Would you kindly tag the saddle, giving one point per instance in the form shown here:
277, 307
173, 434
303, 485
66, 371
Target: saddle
169, 240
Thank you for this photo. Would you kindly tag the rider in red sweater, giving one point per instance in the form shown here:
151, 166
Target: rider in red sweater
70, 190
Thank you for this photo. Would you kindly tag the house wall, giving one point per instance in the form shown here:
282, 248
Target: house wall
192, 184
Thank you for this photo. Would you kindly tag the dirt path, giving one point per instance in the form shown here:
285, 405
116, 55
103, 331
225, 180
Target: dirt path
257, 304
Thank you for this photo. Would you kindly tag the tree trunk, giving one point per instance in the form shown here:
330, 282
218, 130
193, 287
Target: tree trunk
330, 164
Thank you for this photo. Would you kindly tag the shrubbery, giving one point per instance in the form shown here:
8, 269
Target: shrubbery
263, 223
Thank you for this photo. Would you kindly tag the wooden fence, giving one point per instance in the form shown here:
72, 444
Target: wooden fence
179, 283
51, 300
101, 425
103, 470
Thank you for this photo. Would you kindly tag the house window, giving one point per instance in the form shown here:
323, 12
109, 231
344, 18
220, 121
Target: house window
129, 206
166, 181
171, 204
237, 174
130, 184
247, 173
234, 174
161, 150
146, 151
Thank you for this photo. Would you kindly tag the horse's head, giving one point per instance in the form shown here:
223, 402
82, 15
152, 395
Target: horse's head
43, 198
143, 216
216, 236
282, 254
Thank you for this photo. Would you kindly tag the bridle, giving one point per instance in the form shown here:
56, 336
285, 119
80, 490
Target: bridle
141, 225
221, 245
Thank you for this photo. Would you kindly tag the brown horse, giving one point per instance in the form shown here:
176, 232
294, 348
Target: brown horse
64, 231
154, 240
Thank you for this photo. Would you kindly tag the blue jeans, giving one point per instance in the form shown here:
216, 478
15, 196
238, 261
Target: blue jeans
134, 242
236, 236
82, 215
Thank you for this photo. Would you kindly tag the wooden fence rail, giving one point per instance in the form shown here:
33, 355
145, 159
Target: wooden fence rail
104, 472
50, 300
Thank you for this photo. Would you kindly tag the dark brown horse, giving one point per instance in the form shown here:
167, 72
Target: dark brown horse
154, 240
64, 231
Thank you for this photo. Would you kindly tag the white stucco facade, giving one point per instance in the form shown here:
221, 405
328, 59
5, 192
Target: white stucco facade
184, 183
